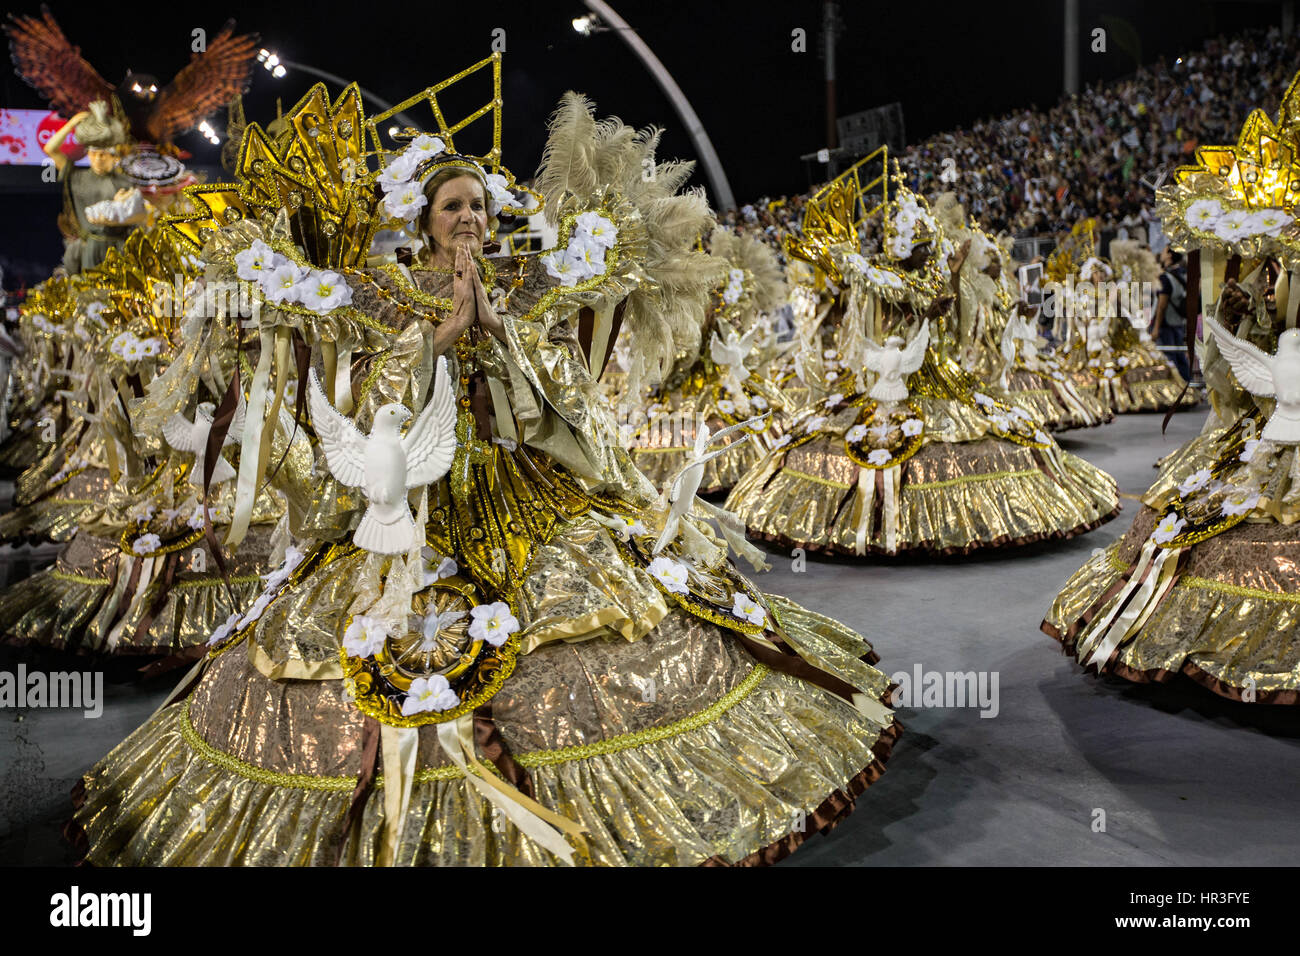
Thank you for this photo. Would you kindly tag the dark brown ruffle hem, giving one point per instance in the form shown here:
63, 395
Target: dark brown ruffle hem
1162, 675
830, 813
781, 541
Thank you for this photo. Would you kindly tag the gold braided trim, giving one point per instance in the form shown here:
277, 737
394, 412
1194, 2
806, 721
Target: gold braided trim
376, 370
821, 481
1208, 584
1115, 561
78, 578
537, 758
647, 449
295, 781
963, 479
214, 582
701, 718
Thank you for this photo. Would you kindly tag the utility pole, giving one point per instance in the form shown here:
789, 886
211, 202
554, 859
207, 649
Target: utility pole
1070, 54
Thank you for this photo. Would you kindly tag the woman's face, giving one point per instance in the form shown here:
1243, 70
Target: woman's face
458, 214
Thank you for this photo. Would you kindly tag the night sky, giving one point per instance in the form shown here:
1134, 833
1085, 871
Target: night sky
761, 103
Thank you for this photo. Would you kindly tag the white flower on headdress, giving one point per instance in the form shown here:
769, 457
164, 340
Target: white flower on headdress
982, 400
782, 441
832, 401
281, 283
119, 344
499, 194
1194, 482
42, 323
735, 286
257, 260
324, 291
912, 427
1248, 452
94, 310
133, 350
856, 433
142, 512
759, 402
880, 432
429, 693
405, 202
726, 406
594, 226
151, 346
424, 146
671, 574
900, 246
858, 262
1203, 214
1109, 373
1094, 363
747, 609
492, 623
1232, 225
146, 544
398, 173
365, 636
1268, 222
830, 354
814, 423
224, 630
1169, 528
878, 456
569, 269
1240, 502
887, 277
1122, 361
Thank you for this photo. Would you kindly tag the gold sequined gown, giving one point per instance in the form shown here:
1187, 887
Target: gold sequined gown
1205, 582
639, 713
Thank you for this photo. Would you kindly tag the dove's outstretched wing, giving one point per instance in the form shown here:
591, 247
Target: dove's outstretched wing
873, 357
430, 443
914, 353
1253, 368
746, 342
236, 431
345, 447
1009, 340
717, 349
179, 433
703, 458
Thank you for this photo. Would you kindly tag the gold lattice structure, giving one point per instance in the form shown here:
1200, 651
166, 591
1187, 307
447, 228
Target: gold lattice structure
835, 212
317, 170
1261, 167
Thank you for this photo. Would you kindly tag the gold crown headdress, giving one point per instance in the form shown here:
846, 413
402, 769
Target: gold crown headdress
316, 170
835, 213
1241, 198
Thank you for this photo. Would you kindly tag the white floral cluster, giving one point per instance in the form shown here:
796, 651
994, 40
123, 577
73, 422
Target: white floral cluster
42, 323
1237, 500
907, 218
292, 558
735, 286
282, 280
882, 277
404, 194
1231, 225
584, 256
879, 435
130, 349
673, 575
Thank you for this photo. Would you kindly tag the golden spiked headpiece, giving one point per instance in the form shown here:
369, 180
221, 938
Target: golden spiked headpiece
317, 169
834, 214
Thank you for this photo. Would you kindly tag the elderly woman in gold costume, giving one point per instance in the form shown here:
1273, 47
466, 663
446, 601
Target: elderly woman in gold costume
544, 681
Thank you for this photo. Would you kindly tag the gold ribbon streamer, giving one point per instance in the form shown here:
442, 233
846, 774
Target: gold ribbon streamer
1292, 301
399, 746
457, 740
866, 499
343, 382
1151, 580
246, 486
142, 585
892, 478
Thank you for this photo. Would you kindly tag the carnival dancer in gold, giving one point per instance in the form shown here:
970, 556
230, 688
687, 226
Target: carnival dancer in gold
529, 683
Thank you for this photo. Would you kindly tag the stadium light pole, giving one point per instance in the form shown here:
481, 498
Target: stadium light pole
1070, 54
703, 145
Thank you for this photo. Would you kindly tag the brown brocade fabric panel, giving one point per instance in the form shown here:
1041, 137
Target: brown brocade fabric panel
89, 555
945, 462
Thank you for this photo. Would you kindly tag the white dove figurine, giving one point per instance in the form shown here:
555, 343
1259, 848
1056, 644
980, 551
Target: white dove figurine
385, 465
893, 362
1276, 376
733, 352
682, 487
192, 436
